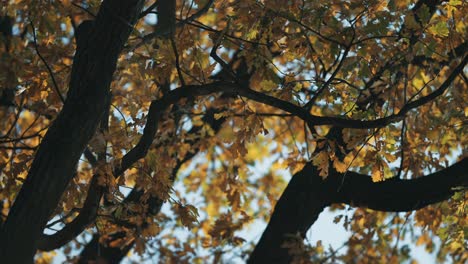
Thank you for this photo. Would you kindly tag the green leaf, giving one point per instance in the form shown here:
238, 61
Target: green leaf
455, 2
440, 29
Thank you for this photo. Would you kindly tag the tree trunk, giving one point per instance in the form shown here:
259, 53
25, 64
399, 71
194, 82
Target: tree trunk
298, 208
307, 195
56, 159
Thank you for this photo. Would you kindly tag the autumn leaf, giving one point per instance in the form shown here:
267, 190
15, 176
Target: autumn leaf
340, 166
440, 29
188, 214
106, 120
321, 160
377, 172
268, 85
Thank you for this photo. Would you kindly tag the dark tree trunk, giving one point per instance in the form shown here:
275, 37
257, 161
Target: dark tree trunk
307, 195
56, 159
298, 208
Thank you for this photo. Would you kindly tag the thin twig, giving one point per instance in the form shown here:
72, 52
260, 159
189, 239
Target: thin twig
177, 63
62, 219
123, 117
403, 129
149, 9
18, 147
311, 102
17, 115
200, 12
84, 9
180, 23
54, 82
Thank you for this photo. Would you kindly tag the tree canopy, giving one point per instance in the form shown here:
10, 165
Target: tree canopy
111, 109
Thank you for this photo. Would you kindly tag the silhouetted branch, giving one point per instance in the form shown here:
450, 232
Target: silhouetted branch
307, 194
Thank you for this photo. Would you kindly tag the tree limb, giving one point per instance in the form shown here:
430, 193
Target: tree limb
115, 255
396, 195
307, 195
233, 89
65, 141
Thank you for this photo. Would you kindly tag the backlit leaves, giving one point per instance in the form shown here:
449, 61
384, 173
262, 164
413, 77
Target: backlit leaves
236, 172
187, 214
321, 160
440, 29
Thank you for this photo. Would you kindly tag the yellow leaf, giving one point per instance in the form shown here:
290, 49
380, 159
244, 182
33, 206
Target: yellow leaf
226, 134
389, 156
401, 3
340, 167
321, 161
218, 116
460, 27
252, 32
268, 85
455, 2
44, 94
440, 29
418, 82
377, 172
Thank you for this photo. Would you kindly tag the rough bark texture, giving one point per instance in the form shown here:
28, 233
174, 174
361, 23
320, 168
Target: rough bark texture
307, 195
55, 161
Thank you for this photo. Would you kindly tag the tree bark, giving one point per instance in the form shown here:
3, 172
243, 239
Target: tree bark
56, 159
298, 208
396, 195
307, 195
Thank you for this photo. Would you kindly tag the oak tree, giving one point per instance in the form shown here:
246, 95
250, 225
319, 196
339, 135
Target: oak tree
112, 109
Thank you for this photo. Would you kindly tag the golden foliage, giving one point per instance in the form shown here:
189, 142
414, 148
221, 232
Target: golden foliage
351, 60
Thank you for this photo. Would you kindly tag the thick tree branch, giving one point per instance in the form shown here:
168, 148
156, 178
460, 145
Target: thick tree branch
95, 192
233, 89
140, 150
115, 255
298, 208
166, 18
90, 207
158, 107
56, 159
162, 29
396, 195
307, 195
94, 252
86, 216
